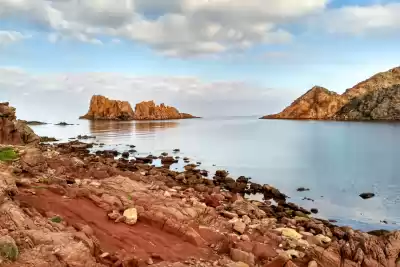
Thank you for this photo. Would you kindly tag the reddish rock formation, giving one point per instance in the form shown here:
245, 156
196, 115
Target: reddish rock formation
322, 104
13, 132
102, 108
318, 103
148, 110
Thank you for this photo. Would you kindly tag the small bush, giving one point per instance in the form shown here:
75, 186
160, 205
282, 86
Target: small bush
8, 154
9, 251
56, 219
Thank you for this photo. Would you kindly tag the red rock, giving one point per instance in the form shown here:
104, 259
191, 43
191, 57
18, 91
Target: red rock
102, 108
263, 251
148, 110
13, 132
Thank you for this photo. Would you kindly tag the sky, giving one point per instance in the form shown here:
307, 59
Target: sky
205, 57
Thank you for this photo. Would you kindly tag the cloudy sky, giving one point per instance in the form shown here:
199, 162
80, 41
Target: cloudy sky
206, 57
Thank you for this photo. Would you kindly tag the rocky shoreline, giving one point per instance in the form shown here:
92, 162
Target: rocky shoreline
61, 205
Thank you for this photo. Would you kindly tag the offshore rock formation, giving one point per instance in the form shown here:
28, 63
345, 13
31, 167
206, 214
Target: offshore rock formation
102, 108
148, 110
13, 132
372, 99
317, 104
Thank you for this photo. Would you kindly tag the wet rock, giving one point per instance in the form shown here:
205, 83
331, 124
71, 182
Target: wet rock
164, 154
176, 150
315, 211
302, 189
381, 232
45, 139
63, 124
168, 160
131, 216
85, 137
367, 195
125, 155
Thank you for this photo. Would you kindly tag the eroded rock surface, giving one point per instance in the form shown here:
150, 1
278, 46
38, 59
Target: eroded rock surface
102, 108
13, 132
148, 110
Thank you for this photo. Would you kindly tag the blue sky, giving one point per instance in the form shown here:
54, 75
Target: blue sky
193, 53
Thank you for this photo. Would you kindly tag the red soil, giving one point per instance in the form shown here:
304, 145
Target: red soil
141, 240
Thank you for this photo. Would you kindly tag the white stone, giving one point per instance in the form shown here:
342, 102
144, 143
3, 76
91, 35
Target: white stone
130, 216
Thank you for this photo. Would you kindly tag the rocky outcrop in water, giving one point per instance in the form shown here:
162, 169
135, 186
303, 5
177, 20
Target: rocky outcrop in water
102, 108
372, 99
148, 110
317, 104
13, 132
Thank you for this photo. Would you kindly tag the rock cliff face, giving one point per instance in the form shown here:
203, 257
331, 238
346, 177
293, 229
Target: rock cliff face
382, 104
13, 132
373, 99
148, 110
318, 103
102, 108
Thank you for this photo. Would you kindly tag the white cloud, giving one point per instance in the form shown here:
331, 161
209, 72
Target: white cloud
360, 19
180, 27
8, 37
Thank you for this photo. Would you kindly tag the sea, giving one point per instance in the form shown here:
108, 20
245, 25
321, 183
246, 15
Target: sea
337, 161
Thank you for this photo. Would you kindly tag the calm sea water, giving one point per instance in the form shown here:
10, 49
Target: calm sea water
336, 160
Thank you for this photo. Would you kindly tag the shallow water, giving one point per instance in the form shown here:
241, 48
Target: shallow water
336, 160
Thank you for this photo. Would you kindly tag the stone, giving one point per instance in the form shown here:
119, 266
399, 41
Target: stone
242, 256
114, 215
239, 227
102, 108
312, 264
229, 215
131, 216
319, 240
237, 264
289, 233
367, 195
246, 219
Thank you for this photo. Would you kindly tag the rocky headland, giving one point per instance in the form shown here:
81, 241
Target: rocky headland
373, 99
72, 204
13, 131
102, 108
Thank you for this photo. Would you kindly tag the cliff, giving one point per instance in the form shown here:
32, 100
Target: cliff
360, 102
102, 108
13, 132
382, 104
317, 104
148, 110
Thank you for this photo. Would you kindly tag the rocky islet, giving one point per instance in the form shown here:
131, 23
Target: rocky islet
102, 108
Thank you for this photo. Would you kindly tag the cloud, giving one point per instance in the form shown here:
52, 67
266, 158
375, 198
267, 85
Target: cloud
72, 91
8, 37
358, 20
176, 27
